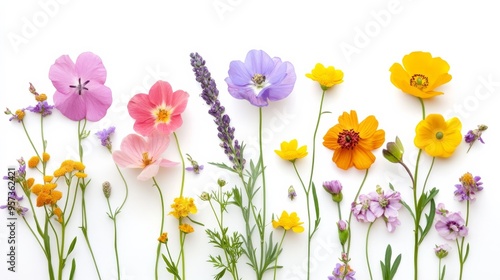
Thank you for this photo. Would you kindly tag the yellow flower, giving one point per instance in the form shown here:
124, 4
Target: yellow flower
46, 194
81, 175
45, 157
437, 137
33, 161
289, 222
290, 152
20, 114
163, 238
421, 74
47, 178
58, 213
352, 142
182, 207
186, 228
41, 97
327, 77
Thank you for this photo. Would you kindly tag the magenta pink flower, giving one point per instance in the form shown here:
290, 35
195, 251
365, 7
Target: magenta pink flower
80, 90
160, 110
145, 153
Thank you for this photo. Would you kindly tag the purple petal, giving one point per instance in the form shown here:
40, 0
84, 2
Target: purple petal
97, 101
259, 62
238, 74
62, 74
71, 106
89, 67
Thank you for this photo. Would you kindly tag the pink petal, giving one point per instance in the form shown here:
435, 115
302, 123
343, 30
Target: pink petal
148, 172
160, 93
123, 159
62, 74
71, 106
179, 101
89, 67
157, 144
167, 163
167, 128
98, 99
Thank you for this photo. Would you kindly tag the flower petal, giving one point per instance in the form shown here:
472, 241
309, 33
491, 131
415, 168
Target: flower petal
71, 106
62, 74
89, 66
97, 100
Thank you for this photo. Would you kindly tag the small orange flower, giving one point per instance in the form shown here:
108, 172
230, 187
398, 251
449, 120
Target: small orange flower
186, 228
41, 97
182, 207
58, 213
45, 157
81, 175
163, 237
352, 142
33, 161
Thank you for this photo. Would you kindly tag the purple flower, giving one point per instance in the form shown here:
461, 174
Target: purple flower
334, 188
260, 78
195, 167
80, 90
42, 108
104, 135
473, 135
391, 223
451, 227
441, 251
468, 187
441, 210
362, 210
14, 205
292, 194
232, 148
342, 273
386, 205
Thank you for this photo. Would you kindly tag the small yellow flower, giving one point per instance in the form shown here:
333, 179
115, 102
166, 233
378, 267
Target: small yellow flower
289, 222
182, 207
421, 74
41, 97
33, 161
186, 228
327, 77
290, 151
78, 166
45, 157
437, 137
46, 194
20, 114
163, 238
81, 175
47, 178
58, 213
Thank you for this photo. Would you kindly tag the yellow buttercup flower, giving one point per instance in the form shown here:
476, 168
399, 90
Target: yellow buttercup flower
352, 142
182, 207
290, 151
421, 74
327, 77
437, 137
186, 228
288, 222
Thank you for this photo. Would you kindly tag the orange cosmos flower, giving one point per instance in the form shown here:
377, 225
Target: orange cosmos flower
352, 142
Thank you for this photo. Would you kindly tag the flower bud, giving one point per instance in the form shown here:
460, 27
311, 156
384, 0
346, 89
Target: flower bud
221, 182
334, 188
394, 151
442, 250
343, 231
106, 189
291, 193
205, 196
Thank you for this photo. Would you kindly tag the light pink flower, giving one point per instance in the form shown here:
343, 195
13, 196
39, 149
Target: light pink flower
145, 153
80, 90
160, 110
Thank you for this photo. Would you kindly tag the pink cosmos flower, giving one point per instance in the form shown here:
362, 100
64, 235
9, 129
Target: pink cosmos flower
160, 110
80, 90
145, 153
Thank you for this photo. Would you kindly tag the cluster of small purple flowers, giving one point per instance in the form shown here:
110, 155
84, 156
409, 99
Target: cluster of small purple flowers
376, 205
232, 148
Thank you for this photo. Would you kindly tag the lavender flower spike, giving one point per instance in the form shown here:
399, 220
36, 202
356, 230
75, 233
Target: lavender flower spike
232, 148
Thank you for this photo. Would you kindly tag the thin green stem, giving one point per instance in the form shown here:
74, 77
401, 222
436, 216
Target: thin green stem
161, 226
439, 269
182, 255
34, 235
366, 250
340, 218
428, 174
115, 243
350, 212
29, 139
183, 163
264, 202
279, 249
418, 214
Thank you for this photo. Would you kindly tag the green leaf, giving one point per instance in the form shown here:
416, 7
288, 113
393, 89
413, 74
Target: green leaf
71, 246
408, 208
73, 268
430, 221
316, 206
395, 265
466, 252
441, 277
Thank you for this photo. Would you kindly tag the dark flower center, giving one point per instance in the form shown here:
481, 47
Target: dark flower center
258, 80
419, 81
439, 135
80, 87
348, 139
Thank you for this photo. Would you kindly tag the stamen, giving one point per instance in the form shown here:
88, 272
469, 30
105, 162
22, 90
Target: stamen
80, 87
258, 79
348, 139
419, 81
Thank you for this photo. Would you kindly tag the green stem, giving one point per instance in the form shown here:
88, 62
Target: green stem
113, 217
340, 218
439, 269
161, 226
366, 250
279, 249
418, 213
350, 212
181, 240
428, 174
29, 139
461, 247
264, 202
182, 161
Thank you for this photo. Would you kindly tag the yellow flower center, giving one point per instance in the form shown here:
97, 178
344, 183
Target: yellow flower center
163, 115
419, 81
145, 159
439, 135
467, 179
258, 80
348, 139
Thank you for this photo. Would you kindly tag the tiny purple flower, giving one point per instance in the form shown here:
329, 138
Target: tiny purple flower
14, 205
42, 108
340, 273
391, 223
452, 226
195, 167
333, 187
362, 210
441, 251
260, 78
441, 210
468, 187
104, 135
473, 135
385, 205
292, 194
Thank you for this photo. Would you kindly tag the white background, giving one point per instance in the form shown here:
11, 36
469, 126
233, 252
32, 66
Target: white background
140, 43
